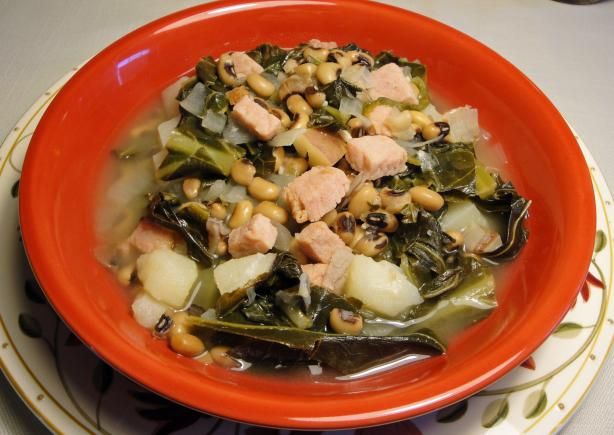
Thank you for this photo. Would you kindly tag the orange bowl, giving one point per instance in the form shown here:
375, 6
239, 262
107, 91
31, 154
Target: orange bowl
72, 145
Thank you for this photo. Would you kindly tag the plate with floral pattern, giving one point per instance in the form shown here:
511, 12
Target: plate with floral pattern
72, 391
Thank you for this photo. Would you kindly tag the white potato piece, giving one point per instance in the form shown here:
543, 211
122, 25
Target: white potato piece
167, 276
380, 286
146, 310
481, 232
243, 272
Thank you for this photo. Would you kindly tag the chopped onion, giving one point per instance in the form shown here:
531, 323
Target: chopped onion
159, 157
303, 289
358, 75
463, 123
282, 180
272, 78
169, 97
216, 189
233, 194
406, 71
195, 101
284, 237
210, 314
236, 134
351, 106
287, 137
166, 128
431, 111
214, 121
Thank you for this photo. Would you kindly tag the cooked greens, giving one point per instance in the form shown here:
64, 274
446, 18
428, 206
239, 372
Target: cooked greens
333, 214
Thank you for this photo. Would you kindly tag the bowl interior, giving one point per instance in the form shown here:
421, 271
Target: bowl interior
72, 145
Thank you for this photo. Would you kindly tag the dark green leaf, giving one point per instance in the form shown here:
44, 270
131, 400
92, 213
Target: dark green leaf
30, 326
162, 210
535, 404
495, 412
385, 57
270, 57
195, 152
338, 89
452, 413
449, 167
34, 292
103, 377
206, 71
15, 189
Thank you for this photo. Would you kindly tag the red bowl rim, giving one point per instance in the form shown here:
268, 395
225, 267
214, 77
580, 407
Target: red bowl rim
133, 364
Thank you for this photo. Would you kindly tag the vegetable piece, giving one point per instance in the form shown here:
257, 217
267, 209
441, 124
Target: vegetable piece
463, 123
162, 210
243, 272
194, 102
166, 128
167, 276
380, 286
475, 226
346, 354
146, 310
207, 294
320, 147
192, 151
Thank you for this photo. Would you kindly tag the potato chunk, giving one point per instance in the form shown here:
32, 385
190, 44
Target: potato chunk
243, 272
167, 276
320, 147
381, 286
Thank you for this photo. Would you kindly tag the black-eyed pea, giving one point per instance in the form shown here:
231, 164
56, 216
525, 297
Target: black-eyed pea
220, 356
345, 227
382, 220
226, 71
301, 121
315, 54
457, 237
187, 345
260, 85
328, 72
371, 244
272, 211
330, 217
295, 166
364, 200
217, 211
190, 187
282, 116
241, 214
263, 190
427, 198
394, 201
242, 172
297, 104
345, 322
420, 119
316, 99
306, 69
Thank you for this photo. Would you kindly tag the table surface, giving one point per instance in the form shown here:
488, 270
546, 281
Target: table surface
565, 49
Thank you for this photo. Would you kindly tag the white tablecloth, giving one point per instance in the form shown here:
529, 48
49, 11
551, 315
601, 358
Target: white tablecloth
568, 51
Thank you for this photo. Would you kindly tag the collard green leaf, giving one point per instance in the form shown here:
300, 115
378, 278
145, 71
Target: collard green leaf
449, 167
206, 71
338, 89
162, 210
385, 57
346, 354
195, 152
270, 57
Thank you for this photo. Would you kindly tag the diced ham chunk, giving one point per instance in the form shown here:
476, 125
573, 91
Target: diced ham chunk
316, 192
390, 82
148, 237
330, 276
316, 43
258, 235
316, 273
376, 156
319, 243
378, 117
256, 119
336, 273
244, 65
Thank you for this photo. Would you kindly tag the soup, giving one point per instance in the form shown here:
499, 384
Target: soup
307, 207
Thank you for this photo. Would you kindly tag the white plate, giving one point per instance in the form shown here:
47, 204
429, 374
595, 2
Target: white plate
72, 391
